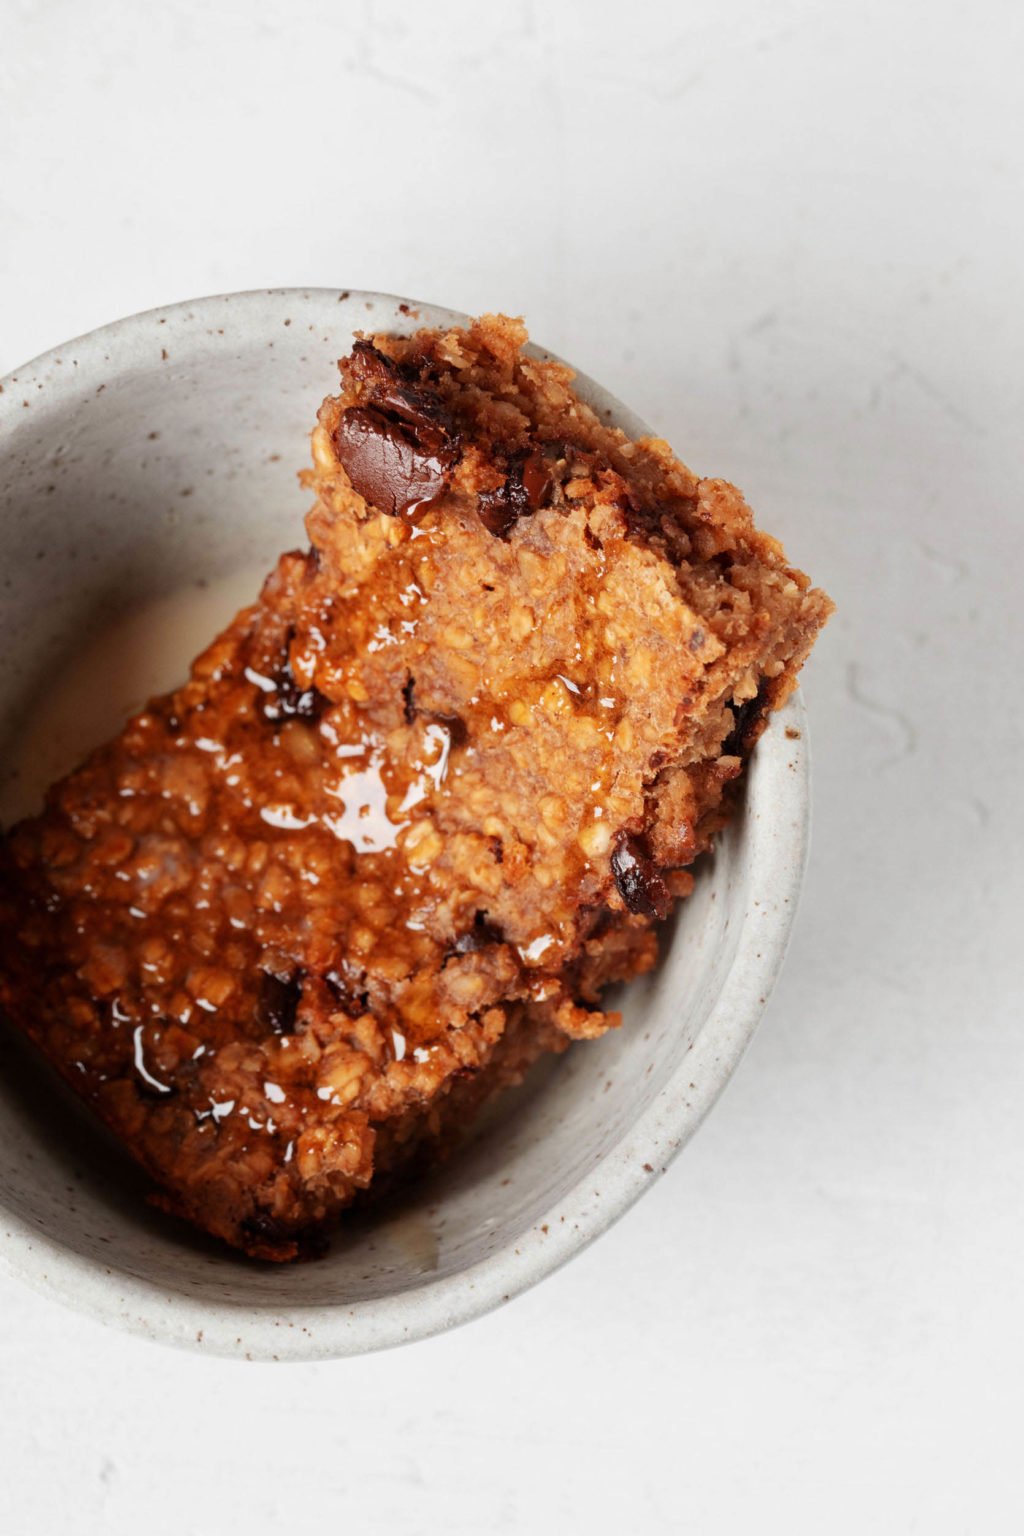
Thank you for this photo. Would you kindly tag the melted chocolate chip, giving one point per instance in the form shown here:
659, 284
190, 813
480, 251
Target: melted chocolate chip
399, 448
638, 881
456, 727
526, 486
348, 998
287, 701
278, 1001
478, 937
746, 720
395, 470
291, 702
374, 368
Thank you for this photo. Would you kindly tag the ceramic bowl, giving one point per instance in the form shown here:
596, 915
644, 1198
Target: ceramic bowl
162, 449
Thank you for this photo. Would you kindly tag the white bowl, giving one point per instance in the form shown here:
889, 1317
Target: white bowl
95, 520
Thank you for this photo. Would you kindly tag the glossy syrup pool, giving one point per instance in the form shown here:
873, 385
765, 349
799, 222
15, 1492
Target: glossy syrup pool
146, 652
87, 698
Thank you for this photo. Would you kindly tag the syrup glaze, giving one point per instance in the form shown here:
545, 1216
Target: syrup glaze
413, 809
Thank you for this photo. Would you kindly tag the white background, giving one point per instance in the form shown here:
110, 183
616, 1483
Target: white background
789, 234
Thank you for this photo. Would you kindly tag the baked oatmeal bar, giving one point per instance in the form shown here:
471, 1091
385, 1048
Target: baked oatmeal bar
417, 806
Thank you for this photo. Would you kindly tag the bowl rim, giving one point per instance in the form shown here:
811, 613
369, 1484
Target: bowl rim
647, 1147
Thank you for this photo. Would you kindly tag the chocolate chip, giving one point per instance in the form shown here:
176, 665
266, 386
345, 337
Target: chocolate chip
399, 448
278, 1001
526, 486
637, 879
394, 469
746, 720
457, 729
349, 998
286, 700
495, 513
372, 367
478, 937
291, 702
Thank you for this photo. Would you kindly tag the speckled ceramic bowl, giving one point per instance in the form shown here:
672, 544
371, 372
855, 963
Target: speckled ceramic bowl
94, 519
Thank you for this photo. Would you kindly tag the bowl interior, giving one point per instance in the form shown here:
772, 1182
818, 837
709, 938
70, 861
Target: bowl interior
162, 451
